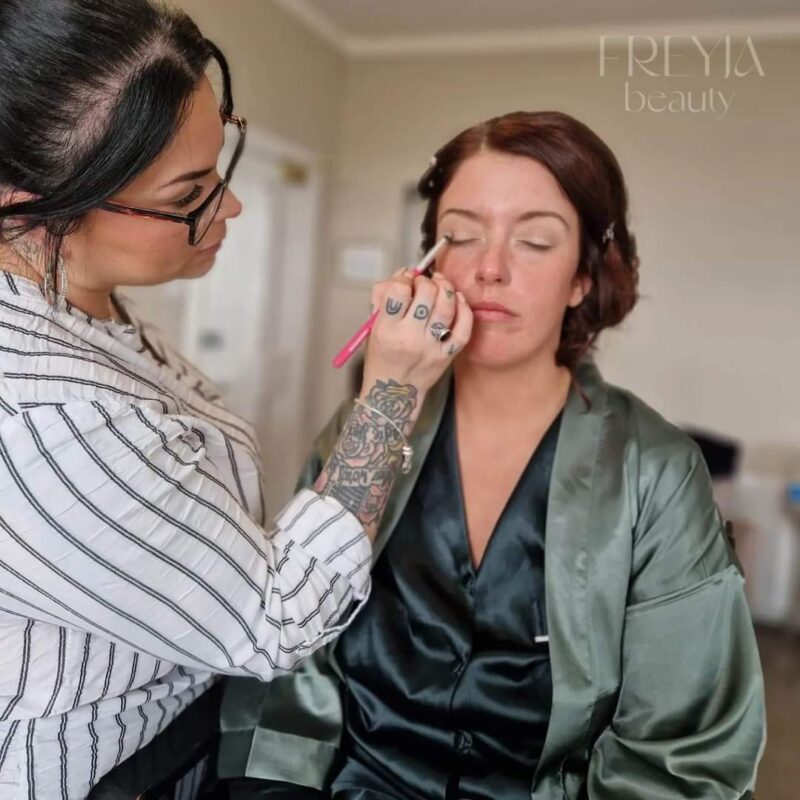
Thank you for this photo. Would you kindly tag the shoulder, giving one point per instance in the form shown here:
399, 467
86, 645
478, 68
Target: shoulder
678, 533
662, 465
45, 359
651, 442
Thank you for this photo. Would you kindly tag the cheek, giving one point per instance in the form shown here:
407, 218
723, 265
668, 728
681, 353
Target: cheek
138, 251
456, 268
160, 251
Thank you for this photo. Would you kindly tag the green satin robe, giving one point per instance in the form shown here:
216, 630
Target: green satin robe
657, 686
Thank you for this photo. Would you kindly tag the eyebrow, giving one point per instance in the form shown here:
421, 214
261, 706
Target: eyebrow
464, 212
188, 176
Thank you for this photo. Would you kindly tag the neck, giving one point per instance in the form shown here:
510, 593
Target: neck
516, 396
94, 302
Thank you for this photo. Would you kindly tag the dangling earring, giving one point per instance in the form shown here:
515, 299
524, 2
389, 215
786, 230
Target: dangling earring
56, 291
54, 294
48, 285
61, 294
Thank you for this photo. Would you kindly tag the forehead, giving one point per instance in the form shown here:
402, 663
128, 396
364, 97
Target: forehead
501, 182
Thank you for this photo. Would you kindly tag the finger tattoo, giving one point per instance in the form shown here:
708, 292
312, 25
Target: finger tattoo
393, 306
421, 312
453, 349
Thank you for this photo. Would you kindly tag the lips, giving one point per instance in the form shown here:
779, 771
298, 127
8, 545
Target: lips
490, 310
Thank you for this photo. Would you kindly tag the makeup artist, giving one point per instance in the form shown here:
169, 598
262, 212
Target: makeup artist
556, 611
136, 562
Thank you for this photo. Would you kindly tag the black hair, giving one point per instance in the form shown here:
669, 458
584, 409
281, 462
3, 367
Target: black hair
91, 92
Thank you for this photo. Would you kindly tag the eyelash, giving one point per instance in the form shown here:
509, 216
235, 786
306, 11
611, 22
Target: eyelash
542, 248
190, 198
532, 245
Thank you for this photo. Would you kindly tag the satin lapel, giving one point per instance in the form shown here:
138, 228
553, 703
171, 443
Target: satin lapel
567, 563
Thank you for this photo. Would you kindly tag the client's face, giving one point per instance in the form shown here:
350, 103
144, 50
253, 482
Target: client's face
514, 255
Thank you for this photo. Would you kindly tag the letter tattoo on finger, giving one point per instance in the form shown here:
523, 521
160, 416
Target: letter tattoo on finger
421, 312
393, 306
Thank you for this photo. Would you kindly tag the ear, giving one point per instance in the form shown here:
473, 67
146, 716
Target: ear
581, 286
9, 196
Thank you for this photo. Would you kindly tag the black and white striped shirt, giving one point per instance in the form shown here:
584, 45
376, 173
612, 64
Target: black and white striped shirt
133, 561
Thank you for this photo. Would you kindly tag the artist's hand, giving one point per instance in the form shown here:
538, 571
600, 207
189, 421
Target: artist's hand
402, 347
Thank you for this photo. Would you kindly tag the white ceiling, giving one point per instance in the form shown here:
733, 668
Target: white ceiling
367, 18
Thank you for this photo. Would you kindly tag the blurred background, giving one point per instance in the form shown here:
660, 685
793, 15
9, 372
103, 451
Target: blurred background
348, 99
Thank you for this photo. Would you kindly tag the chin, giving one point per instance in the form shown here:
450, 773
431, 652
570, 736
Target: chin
198, 268
492, 357
500, 352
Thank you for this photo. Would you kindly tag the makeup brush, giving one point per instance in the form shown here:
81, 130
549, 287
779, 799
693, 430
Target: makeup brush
346, 353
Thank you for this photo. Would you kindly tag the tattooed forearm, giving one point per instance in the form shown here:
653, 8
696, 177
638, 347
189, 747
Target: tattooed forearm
364, 464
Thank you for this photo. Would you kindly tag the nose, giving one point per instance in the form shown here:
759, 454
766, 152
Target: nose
492, 266
231, 205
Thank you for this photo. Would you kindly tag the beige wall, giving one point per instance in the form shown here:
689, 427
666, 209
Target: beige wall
286, 79
714, 340
289, 83
716, 336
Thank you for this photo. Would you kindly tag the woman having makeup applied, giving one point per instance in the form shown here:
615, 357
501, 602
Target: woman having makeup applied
136, 558
556, 611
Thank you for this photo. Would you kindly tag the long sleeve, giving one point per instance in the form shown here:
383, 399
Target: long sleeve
690, 717
115, 521
289, 729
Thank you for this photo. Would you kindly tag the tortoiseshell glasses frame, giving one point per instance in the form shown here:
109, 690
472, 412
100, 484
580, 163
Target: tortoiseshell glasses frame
199, 220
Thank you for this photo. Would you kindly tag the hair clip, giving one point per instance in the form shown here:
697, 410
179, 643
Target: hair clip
608, 234
432, 161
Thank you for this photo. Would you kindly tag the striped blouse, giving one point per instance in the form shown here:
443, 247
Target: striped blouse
133, 562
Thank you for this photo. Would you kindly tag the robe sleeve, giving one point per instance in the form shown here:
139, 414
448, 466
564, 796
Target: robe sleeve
690, 719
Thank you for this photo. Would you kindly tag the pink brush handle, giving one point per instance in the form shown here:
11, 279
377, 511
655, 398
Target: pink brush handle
346, 353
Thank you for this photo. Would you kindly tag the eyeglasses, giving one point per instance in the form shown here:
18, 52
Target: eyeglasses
199, 220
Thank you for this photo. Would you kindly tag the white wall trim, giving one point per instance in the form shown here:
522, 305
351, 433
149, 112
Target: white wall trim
547, 39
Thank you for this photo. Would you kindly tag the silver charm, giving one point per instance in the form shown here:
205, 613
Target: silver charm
408, 459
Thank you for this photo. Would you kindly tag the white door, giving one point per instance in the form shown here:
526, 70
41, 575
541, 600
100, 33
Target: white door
246, 323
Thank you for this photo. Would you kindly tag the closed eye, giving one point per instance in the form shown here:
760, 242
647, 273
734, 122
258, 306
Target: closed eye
456, 242
536, 246
190, 198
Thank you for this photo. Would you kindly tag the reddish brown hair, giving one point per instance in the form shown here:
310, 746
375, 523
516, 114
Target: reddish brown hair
592, 180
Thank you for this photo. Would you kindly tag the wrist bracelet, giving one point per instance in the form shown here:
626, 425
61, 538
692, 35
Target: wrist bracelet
408, 451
